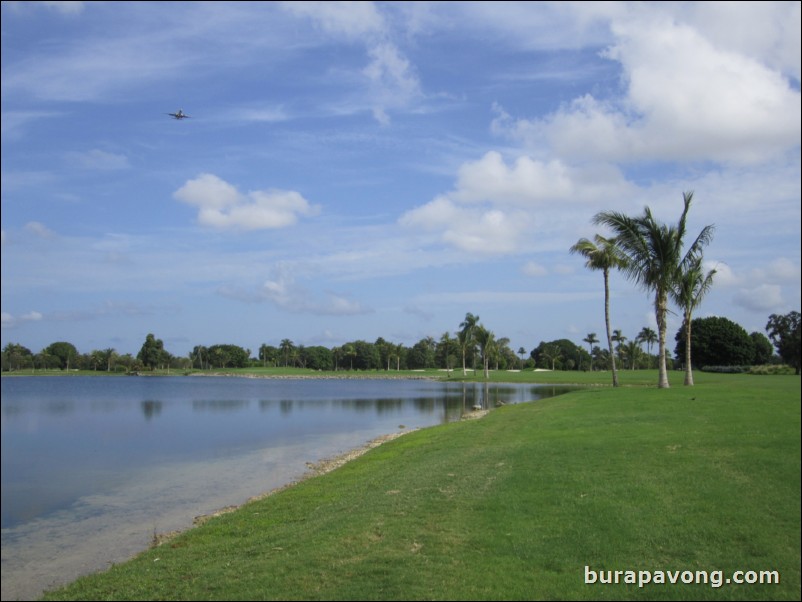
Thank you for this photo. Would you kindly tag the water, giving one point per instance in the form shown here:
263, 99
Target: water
93, 467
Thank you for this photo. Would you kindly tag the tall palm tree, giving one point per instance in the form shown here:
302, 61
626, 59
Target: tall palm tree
590, 339
465, 336
692, 284
602, 254
653, 255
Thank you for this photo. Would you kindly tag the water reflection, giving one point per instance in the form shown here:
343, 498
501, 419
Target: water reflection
219, 405
151, 408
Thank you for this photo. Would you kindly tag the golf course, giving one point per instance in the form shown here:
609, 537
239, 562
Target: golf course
628, 493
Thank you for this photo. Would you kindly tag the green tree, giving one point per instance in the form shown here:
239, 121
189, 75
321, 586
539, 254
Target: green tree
522, 353
590, 340
784, 332
648, 336
653, 255
691, 286
602, 254
619, 338
716, 341
486, 341
16, 357
152, 353
65, 352
286, 349
465, 336
764, 351
445, 351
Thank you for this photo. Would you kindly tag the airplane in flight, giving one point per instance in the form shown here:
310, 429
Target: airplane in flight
178, 115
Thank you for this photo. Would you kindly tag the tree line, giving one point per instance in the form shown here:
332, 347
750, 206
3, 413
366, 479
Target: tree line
648, 252
716, 341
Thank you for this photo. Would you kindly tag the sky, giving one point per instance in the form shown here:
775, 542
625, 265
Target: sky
355, 170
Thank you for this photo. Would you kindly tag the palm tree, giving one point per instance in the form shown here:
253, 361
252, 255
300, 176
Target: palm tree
445, 341
619, 338
602, 254
486, 340
648, 336
653, 255
522, 353
590, 339
692, 284
465, 336
552, 353
287, 347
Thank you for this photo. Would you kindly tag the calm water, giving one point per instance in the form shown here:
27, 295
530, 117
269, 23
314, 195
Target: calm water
92, 467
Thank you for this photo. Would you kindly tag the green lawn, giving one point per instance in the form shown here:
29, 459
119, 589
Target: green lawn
517, 504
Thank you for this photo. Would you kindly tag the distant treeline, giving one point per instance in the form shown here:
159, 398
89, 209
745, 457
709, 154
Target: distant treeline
716, 341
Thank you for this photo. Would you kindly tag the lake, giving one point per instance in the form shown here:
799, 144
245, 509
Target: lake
93, 467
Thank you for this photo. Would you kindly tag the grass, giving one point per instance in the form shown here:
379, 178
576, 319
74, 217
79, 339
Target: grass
515, 505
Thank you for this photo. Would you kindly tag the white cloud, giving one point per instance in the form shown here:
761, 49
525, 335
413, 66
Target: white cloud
10, 321
686, 98
765, 297
494, 204
98, 159
284, 292
350, 19
220, 205
531, 268
40, 230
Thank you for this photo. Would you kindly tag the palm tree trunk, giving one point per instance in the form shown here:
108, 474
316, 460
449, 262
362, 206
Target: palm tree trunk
688, 368
607, 324
661, 309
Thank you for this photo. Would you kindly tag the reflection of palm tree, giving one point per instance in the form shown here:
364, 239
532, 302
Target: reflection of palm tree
691, 286
590, 339
653, 255
602, 254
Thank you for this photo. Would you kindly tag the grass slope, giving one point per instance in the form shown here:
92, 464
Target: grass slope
515, 505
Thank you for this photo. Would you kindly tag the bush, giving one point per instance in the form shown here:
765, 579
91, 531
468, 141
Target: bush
727, 369
772, 369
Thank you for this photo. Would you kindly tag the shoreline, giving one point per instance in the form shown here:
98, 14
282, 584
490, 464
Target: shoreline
314, 469
123, 542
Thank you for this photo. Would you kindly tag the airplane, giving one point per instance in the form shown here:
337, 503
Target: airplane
178, 115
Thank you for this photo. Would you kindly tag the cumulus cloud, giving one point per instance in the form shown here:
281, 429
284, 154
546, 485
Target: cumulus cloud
495, 203
220, 205
687, 97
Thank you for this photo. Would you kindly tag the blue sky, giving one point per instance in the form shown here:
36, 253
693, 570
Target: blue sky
363, 170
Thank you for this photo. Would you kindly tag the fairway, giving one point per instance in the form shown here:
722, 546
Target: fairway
522, 504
